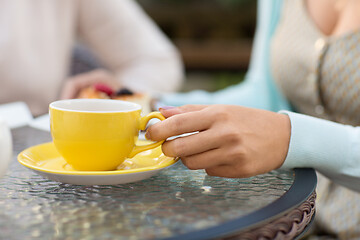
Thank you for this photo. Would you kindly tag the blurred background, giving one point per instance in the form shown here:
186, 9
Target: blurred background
214, 38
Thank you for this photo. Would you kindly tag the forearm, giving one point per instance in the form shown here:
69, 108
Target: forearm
332, 149
244, 93
253, 92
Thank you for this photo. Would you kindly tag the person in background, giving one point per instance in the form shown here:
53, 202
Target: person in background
37, 39
298, 107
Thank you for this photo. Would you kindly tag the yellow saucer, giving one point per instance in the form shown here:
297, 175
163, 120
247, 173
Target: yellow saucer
47, 162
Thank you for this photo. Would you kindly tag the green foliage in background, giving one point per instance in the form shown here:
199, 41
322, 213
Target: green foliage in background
226, 3
226, 79
211, 81
231, 3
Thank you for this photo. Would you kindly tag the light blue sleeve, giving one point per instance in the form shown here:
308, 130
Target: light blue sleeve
258, 89
331, 148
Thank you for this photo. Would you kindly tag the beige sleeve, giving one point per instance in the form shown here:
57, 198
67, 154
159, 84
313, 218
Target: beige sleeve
128, 42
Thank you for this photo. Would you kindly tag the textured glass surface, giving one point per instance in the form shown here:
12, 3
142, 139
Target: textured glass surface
175, 201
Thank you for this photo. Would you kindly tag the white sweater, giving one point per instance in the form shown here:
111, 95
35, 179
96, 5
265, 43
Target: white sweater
37, 37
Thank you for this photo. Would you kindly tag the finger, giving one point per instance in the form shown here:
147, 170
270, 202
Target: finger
206, 160
190, 145
230, 171
95, 76
73, 86
171, 111
68, 91
178, 124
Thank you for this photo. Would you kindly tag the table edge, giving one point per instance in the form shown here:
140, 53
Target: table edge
303, 186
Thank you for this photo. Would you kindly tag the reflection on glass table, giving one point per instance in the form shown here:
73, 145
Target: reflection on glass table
177, 203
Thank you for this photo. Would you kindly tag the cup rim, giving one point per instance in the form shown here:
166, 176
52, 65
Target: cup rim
132, 106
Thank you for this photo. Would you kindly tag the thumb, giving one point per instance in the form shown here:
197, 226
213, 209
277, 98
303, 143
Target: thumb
169, 111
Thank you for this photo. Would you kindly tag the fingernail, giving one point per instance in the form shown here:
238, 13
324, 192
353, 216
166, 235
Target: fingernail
166, 107
147, 135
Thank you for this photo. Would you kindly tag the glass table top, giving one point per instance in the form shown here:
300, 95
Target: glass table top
176, 201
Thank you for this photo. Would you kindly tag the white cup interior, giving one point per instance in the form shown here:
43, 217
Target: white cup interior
95, 105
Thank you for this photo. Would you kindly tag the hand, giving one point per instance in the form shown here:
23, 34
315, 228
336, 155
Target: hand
74, 84
233, 141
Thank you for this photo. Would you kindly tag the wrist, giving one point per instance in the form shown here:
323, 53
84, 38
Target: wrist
285, 136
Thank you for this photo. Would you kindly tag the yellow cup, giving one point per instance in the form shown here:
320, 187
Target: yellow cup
98, 134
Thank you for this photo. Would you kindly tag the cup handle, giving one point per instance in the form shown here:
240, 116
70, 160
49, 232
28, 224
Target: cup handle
142, 125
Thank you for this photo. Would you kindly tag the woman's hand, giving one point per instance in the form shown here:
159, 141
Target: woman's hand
233, 141
74, 84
